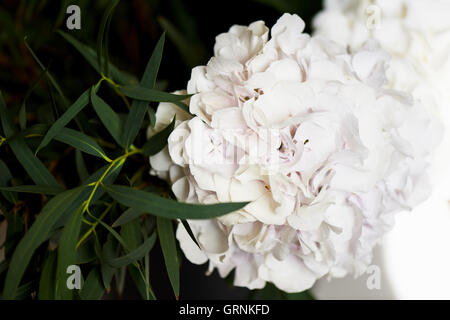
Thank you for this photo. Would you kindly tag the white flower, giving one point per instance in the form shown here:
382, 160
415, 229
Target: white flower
308, 134
416, 33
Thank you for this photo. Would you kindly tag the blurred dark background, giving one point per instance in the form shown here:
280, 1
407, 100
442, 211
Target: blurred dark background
191, 28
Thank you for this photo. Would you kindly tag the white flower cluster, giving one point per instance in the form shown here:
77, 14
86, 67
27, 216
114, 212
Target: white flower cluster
416, 34
312, 137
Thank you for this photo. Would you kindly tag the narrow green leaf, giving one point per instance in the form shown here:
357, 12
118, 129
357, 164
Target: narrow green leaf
36, 130
152, 116
140, 285
106, 46
24, 291
168, 208
169, 249
132, 234
81, 142
269, 292
108, 117
70, 113
157, 142
5, 177
62, 12
4, 266
151, 71
86, 253
47, 283
126, 248
108, 254
145, 94
34, 189
47, 73
183, 106
192, 51
129, 215
67, 252
134, 255
93, 288
5, 174
37, 234
101, 34
139, 108
189, 231
32, 165
115, 234
81, 166
22, 110
91, 56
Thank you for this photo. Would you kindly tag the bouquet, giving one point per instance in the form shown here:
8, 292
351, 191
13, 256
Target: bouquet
281, 161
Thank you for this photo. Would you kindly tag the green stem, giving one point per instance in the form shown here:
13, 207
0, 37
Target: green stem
114, 164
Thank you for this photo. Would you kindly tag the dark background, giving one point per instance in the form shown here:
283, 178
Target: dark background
191, 28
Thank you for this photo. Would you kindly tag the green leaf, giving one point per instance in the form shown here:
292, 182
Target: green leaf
81, 166
151, 71
157, 142
47, 73
70, 113
283, 5
81, 142
22, 110
101, 35
169, 249
152, 116
183, 106
132, 234
115, 234
139, 283
269, 292
34, 189
192, 51
168, 208
91, 56
139, 108
108, 117
86, 253
25, 291
106, 46
127, 249
5, 174
67, 252
4, 266
108, 253
36, 130
5, 177
37, 234
134, 255
32, 165
109, 179
93, 288
189, 231
145, 94
129, 215
47, 283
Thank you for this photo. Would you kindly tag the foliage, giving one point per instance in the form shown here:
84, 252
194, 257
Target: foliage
74, 183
